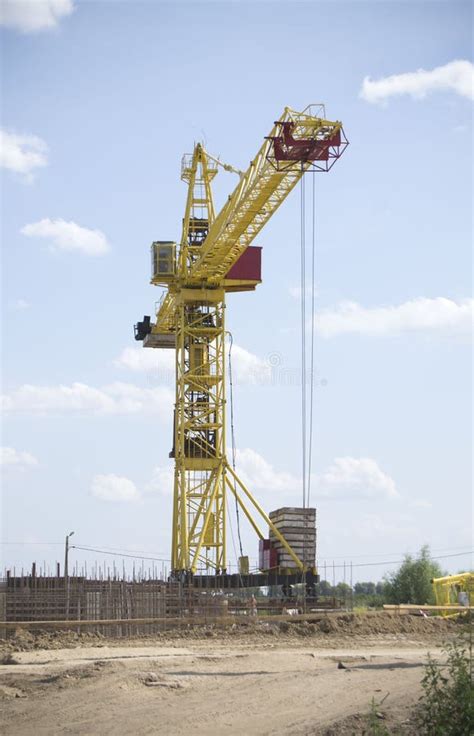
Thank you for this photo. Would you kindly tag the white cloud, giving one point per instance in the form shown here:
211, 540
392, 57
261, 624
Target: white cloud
111, 487
438, 314
116, 398
114, 488
68, 236
256, 472
22, 153
356, 478
10, 456
31, 16
247, 368
162, 481
347, 477
457, 76
20, 305
147, 360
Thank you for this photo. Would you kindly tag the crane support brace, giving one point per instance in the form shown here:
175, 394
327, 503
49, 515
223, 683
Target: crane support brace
267, 519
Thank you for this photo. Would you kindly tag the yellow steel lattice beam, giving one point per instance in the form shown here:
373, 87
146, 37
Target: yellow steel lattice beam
255, 199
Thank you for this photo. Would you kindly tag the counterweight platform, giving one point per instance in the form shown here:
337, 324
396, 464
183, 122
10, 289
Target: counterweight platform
255, 580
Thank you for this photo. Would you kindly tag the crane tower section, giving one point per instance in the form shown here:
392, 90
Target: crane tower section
214, 256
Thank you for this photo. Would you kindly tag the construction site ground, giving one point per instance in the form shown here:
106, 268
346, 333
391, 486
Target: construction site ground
316, 677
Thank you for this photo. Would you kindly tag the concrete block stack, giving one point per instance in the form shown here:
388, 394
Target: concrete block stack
298, 526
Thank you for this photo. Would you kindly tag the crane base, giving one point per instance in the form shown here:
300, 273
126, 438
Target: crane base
236, 581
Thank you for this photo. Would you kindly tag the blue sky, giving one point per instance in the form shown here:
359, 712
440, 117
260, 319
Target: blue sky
113, 94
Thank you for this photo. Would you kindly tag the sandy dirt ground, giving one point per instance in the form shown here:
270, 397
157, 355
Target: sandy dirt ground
215, 684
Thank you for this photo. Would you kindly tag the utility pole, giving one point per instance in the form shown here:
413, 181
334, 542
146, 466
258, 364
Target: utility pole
66, 572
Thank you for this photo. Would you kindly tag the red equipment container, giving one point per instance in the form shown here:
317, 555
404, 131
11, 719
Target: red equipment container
249, 265
267, 555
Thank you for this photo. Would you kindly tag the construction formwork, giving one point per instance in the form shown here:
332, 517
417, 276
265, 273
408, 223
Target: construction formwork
38, 599
124, 607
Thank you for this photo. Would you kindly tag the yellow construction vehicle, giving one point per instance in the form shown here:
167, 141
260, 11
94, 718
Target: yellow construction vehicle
454, 590
215, 256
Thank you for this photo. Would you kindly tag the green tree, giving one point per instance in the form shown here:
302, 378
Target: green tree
364, 588
325, 588
343, 590
380, 588
411, 583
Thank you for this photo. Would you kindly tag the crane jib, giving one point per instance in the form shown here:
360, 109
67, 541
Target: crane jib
295, 146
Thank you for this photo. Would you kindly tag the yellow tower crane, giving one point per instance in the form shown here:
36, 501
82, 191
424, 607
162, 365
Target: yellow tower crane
215, 256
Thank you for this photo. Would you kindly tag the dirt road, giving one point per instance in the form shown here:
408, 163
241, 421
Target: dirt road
209, 687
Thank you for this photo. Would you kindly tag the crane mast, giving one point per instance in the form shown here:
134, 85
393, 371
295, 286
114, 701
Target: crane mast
215, 256
199, 513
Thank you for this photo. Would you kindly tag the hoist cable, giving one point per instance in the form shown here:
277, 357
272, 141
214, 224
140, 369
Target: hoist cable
311, 368
307, 410
303, 338
229, 517
232, 437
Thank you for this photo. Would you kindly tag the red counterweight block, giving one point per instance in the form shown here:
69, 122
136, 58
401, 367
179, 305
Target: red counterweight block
249, 265
288, 148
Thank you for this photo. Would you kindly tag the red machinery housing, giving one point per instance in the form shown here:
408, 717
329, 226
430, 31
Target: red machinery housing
321, 152
267, 555
246, 272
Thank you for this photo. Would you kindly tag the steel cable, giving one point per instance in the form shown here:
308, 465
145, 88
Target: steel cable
303, 338
232, 437
311, 370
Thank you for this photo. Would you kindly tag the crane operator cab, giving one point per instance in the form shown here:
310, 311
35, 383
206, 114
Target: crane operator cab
163, 261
